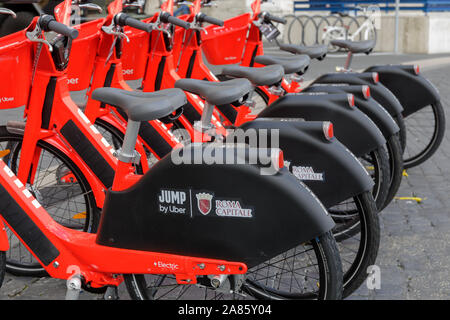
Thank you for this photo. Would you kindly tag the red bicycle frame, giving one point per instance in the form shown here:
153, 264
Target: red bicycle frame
161, 74
53, 117
65, 252
230, 37
165, 64
188, 53
106, 67
101, 67
48, 107
242, 41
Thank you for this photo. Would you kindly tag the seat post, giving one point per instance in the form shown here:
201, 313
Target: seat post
127, 153
205, 123
348, 62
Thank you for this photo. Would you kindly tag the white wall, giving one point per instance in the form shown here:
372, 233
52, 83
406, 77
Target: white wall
277, 7
439, 35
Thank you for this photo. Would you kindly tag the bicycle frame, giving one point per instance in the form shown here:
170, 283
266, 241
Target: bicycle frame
105, 69
54, 118
167, 64
108, 71
66, 253
367, 26
48, 109
253, 43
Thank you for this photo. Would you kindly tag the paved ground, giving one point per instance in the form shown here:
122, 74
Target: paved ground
414, 257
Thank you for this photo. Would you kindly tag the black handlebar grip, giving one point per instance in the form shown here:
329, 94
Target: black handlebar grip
124, 20
167, 18
277, 19
268, 16
204, 18
48, 23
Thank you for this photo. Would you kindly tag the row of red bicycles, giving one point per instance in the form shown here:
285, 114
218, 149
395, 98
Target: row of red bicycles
195, 185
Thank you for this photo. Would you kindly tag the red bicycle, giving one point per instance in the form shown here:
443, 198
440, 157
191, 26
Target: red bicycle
162, 72
116, 254
68, 132
408, 97
159, 73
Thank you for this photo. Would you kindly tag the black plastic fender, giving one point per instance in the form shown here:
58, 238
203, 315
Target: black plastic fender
351, 126
378, 91
412, 90
365, 103
218, 211
322, 164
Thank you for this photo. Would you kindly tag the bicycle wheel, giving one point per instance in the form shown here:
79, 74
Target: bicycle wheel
376, 162
310, 271
60, 187
357, 233
395, 153
377, 165
425, 131
402, 133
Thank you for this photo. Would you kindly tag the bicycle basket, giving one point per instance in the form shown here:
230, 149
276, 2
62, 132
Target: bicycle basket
135, 53
225, 45
16, 63
82, 55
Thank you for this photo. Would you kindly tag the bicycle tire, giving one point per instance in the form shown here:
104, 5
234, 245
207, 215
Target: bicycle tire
330, 285
368, 227
380, 156
402, 134
432, 146
395, 167
91, 220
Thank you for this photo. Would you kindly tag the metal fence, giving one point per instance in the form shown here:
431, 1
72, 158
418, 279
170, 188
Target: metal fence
309, 29
335, 6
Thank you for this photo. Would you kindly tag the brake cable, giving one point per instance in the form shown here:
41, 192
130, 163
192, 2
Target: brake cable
194, 27
114, 30
36, 36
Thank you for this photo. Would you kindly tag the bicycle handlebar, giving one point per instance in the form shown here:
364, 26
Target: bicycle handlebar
268, 17
124, 20
165, 17
201, 17
48, 23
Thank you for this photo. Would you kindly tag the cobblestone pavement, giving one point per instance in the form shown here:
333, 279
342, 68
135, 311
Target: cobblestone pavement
414, 256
